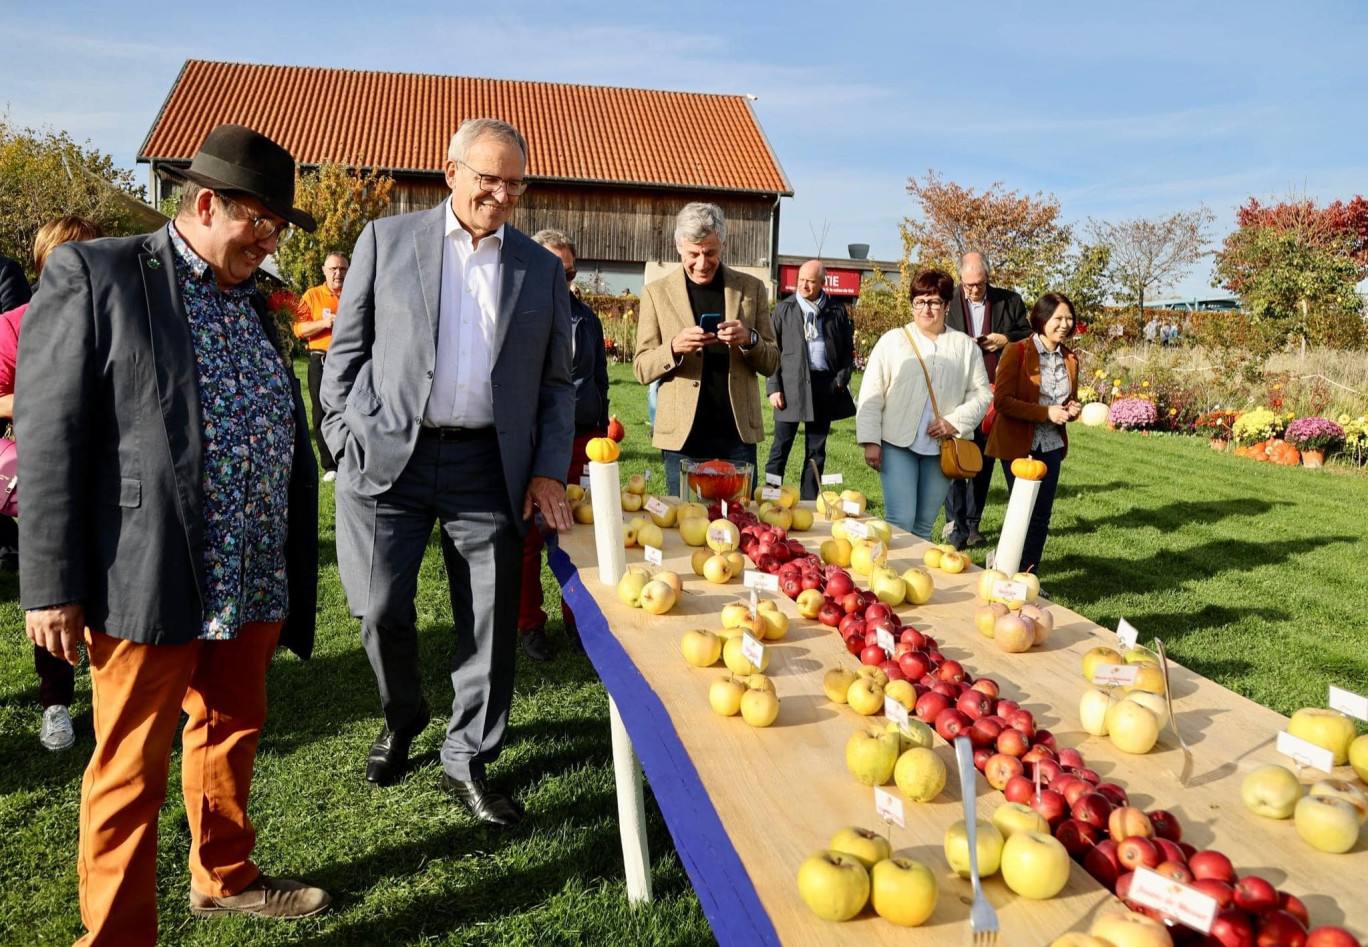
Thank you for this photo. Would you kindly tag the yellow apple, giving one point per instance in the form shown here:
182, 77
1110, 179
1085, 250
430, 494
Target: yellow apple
667, 518
724, 696
789, 495
903, 891
1013, 817
631, 502
1092, 711
986, 616
766, 605
636, 484
919, 585
802, 519
1149, 677
989, 842
736, 563
686, 510
1358, 757
866, 847
932, 557
649, 534
699, 559
856, 497
1138, 654
829, 505
1327, 823
1328, 729
630, 587
700, 648
891, 590
1097, 656
871, 753
759, 682
903, 692
920, 774
776, 623
1042, 619
954, 562
574, 492
865, 696
715, 570
1121, 928
836, 684
658, 597
1342, 789
734, 613
834, 886
880, 530
584, 511
723, 536
1032, 583
1035, 865
778, 516
671, 579
836, 551
694, 530
990, 578
875, 674
736, 662
809, 602
759, 708
916, 733
1154, 703
838, 530
629, 536
1132, 728
862, 558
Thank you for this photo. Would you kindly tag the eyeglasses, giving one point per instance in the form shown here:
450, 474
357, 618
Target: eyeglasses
981, 284
491, 182
570, 275
263, 227
921, 305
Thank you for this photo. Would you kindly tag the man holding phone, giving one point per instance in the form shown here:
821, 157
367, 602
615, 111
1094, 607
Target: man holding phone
994, 317
704, 332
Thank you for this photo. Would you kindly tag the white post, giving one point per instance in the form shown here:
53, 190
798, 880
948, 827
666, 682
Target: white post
606, 490
631, 810
1013, 536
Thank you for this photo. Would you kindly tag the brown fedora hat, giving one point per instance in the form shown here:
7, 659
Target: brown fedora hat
236, 158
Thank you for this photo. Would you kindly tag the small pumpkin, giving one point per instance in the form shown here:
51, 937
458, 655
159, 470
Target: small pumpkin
1028, 468
615, 429
1283, 454
602, 450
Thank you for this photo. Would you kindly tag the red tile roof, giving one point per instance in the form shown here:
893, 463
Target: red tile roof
402, 122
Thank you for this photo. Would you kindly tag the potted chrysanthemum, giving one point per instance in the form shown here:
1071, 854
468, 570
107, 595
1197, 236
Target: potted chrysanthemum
1314, 437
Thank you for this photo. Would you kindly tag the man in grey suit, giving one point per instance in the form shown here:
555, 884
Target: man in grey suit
448, 398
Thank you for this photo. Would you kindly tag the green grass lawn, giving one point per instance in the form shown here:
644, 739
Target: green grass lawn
1249, 572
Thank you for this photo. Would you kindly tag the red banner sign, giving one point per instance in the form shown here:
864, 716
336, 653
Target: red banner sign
838, 282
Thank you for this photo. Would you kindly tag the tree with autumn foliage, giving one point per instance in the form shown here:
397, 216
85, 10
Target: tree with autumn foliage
1295, 268
342, 201
1020, 234
1151, 254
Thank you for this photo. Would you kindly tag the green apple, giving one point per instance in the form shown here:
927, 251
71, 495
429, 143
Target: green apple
903, 891
916, 734
871, 753
834, 886
1327, 823
1358, 757
1035, 865
989, 847
1328, 729
1132, 728
1012, 818
694, 530
1342, 789
863, 845
920, 774
1271, 791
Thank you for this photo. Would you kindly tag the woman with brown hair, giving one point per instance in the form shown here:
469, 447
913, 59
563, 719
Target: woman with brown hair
56, 677
1035, 396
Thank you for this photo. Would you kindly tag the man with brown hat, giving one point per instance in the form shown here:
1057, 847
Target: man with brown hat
170, 520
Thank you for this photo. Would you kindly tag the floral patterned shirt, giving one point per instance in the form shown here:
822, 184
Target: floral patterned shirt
1054, 389
247, 422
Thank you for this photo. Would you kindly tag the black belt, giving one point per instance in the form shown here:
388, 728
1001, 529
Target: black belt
448, 434
315, 353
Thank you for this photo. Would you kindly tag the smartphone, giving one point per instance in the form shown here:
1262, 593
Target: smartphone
710, 322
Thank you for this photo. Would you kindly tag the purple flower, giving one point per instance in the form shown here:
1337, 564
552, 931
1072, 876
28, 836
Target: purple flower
1313, 434
1132, 413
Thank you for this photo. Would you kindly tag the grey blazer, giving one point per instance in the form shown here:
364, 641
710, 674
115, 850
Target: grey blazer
379, 369
794, 377
111, 451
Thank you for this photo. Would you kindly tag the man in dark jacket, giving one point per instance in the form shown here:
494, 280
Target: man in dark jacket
812, 386
589, 372
14, 287
994, 317
171, 519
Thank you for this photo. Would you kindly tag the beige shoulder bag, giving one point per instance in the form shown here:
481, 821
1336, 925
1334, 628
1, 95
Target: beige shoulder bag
960, 458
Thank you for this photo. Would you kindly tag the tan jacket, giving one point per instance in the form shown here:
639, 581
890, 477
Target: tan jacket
665, 312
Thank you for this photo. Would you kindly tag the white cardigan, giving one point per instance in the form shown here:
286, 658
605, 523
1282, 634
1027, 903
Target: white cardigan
893, 391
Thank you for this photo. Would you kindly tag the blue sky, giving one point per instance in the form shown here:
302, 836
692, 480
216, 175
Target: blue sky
1119, 110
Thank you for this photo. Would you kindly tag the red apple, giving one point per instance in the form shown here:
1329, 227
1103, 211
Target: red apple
930, 705
1212, 864
950, 722
877, 610
1077, 837
852, 602
974, 705
1092, 809
839, 584
1170, 851
1102, 863
1280, 929
1046, 739
1114, 793
1188, 849
854, 644
951, 671
1018, 788
913, 637
1012, 742
914, 665
1331, 937
1136, 851
1232, 928
1126, 821
949, 691
790, 585
988, 686
1049, 769
1071, 788
1087, 775
981, 757
1037, 754
1123, 883
1166, 825
873, 655
849, 622
1021, 720
811, 580
1293, 905
1052, 805
893, 671
1000, 768
1175, 870
1220, 890
1068, 756
1253, 894
830, 614
984, 732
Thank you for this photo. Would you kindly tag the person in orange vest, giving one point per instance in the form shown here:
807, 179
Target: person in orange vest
317, 310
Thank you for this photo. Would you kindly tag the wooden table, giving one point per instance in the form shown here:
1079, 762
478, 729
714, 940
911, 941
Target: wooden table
746, 806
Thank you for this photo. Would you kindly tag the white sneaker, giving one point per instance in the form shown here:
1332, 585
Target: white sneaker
947, 529
58, 733
330, 476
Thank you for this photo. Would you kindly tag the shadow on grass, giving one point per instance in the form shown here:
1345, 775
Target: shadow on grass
1171, 517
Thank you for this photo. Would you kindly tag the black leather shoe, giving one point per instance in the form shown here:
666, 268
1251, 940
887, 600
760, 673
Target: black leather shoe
535, 645
389, 753
483, 802
976, 538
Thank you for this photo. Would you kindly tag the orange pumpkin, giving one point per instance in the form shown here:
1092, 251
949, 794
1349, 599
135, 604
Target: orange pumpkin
718, 480
1283, 454
615, 429
602, 450
1028, 468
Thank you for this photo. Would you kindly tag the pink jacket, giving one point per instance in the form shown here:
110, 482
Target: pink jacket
9, 347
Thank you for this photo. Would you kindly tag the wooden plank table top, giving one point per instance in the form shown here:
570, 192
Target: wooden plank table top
783, 791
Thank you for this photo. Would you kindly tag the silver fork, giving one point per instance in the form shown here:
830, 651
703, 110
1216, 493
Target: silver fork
983, 922
1173, 719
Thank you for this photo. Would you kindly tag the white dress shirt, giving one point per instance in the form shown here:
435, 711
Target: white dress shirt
461, 395
978, 325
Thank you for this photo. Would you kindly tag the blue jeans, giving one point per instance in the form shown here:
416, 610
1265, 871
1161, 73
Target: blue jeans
652, 392
1039, 528
913, 487
741, 453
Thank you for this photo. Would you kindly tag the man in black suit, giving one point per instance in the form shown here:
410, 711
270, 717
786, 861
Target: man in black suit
995, 317
14, 287
816, 339
171, 520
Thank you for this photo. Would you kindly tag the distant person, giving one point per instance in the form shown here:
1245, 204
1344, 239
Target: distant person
993, 317
1169, 333
589, 372
1152, 330
895, 421
1036, 395
709, 402
14, 287
816, 340
317, 312
56, 678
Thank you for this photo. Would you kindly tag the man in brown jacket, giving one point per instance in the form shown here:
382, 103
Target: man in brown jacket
705, 332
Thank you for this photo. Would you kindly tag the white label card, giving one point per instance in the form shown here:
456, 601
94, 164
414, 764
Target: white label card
719, 535
856, 530
754, 579
773, 480
656, 506
1010, 591
1347, 702
1305, 752
752, 650
1183, 902
769, 493
1127, 634
877, 552
1123, 674
755, 603
647, 476
584, 481
851, 507
885, 640
724, 509
828, 479
889, 807
653, 555
895, 711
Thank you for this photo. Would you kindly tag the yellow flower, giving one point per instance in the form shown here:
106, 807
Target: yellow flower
1099, 374
1290, 415
1277, 387
1144, 384
1116, 382
1172, 411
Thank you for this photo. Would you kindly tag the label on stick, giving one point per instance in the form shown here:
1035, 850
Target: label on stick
850, 507
752, 650
769, 493
657, 506
647, 476
1123, 674
755, 579
724, 509
1347, 702
1010, 591
1183, 902
1305, 753
774, 480
885, 640
1127, 634
584, 482
889, 807
857, 530
895, 712
877, 552
719, 535
829, 479
653, 555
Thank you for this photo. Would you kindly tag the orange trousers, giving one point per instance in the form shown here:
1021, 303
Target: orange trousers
137, 694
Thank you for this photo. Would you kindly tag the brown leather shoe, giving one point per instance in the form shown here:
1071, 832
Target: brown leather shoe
279, 898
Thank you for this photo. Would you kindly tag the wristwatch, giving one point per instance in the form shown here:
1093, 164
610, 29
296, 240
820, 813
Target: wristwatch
754, 339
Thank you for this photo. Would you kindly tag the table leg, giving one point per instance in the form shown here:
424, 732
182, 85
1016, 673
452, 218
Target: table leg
631, 809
